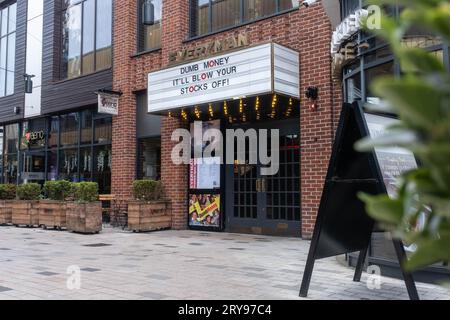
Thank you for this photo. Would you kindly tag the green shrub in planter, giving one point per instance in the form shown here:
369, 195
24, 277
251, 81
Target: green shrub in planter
8, 191
147, 190
58, 190
29, 191
85, 191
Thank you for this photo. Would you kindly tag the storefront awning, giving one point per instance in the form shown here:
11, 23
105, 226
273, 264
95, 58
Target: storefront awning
258, 70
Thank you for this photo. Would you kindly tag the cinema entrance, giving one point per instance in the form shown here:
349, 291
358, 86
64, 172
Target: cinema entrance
266, 204
256, 88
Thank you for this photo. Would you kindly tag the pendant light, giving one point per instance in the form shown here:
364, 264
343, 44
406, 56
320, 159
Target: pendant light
148, 13
28, 83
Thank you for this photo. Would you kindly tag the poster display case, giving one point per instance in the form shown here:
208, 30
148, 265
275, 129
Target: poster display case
205, 178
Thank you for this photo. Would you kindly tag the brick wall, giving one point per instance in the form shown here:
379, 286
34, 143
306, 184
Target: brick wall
306, 30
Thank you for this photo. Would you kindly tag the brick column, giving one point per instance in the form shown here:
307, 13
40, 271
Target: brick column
316, 127
124, 125
174, 177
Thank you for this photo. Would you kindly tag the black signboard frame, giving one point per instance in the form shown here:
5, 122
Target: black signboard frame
342, 224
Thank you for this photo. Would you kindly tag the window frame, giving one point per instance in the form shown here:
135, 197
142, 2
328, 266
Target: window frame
192, 35
5, 93
140, 30
64, 7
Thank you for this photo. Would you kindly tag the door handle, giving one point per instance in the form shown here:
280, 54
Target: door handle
258, 185
263, 185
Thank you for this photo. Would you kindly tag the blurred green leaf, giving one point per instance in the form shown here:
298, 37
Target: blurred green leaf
383, 209
420, 212
429, 251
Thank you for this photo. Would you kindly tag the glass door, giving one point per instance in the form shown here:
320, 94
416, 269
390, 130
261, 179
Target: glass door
261, 204
33, 167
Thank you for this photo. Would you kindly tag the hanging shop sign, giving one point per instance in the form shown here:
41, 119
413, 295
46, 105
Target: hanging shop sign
108, 103
209, 48
263, 69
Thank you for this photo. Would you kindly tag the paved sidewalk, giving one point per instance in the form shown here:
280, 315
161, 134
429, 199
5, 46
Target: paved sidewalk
175, 265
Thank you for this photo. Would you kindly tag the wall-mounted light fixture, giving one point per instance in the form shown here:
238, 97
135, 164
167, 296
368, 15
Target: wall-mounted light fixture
312, 93
148, 13
308, 3
28, 83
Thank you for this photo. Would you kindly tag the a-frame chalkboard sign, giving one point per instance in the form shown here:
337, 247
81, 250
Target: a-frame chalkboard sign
343, 225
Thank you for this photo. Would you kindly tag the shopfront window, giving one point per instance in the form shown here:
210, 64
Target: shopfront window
69, 129
87, 30
348, 7
150, 35
86, 164
33, 134
353, 86
86, 127
2, 130
52, 165
7, 49
372, 74
102, 168
103, 130
10, 168
58, 148
149, 161
214, 15
53, 132
11, 138
68, 165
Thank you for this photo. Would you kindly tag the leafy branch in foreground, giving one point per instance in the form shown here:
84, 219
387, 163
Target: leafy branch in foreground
420, 212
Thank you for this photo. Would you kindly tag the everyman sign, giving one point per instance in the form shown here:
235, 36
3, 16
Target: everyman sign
256, 70
208, 49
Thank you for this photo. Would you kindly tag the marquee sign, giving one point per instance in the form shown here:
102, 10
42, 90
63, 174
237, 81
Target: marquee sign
256, 70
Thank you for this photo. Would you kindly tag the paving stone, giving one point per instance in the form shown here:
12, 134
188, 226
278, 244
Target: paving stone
158, 277
145, 266
153, 295
47, 273
90, 269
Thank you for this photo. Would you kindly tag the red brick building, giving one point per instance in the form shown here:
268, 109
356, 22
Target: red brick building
185, 31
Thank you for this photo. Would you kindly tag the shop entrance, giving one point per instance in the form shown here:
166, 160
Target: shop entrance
33, 166
266, 204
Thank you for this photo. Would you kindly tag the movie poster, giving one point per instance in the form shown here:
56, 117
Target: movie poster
204, 210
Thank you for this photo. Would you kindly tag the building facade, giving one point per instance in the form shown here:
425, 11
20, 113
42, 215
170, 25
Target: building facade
358, 58
263, 56
55, 131
155, 68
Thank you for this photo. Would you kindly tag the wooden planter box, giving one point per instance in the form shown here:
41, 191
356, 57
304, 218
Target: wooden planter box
25, 213
149, 216
84, 217
52, 214
5, 212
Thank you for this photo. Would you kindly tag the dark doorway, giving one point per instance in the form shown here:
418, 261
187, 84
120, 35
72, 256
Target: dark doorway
266, 204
